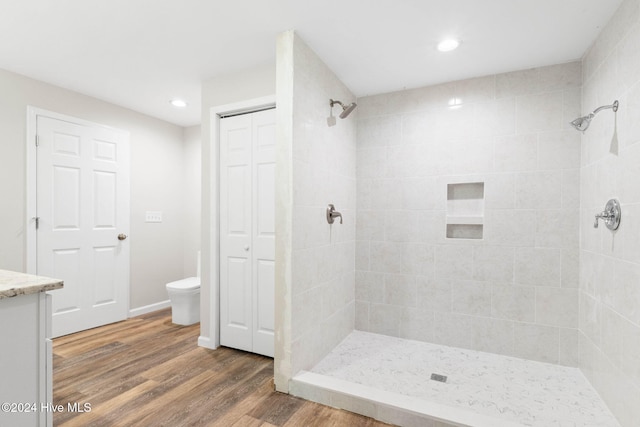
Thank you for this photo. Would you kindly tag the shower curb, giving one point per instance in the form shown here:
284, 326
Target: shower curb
386, 406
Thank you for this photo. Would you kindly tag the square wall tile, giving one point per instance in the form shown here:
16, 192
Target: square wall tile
569, 346
538, 266
513, 303
558, 228
385, 319
539, 112
400, 289
557, 307
536, 342
516, 153
559, 150
509, 227
434, 294
417, 324
493, 263
454, 262
379, 131
469, 297
539, 190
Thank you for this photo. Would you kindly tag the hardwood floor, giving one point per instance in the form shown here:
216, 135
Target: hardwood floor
146, 371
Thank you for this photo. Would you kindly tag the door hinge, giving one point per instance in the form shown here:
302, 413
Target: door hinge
37, 141
37, 221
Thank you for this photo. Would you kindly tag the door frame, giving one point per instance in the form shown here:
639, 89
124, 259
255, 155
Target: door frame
31, 183
211, 264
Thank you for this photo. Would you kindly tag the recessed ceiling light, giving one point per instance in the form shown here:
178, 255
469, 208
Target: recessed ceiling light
448, 45
178, 103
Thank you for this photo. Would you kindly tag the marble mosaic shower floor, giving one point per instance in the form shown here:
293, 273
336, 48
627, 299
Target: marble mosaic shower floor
517, 391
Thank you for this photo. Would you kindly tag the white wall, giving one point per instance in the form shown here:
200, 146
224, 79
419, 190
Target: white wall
315, 261
610, 261
248, 84
512, 292
156, 181
192, 189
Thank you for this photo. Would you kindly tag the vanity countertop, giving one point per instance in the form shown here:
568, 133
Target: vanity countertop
13, 284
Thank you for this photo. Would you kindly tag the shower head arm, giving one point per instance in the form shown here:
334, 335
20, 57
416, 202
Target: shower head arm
334, 102
614, 106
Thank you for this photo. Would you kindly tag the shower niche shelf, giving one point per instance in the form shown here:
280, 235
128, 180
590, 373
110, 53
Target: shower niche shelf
465, 210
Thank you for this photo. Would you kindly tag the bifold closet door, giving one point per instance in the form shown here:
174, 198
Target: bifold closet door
247, 231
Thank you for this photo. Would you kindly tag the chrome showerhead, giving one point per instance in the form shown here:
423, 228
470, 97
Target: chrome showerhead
582, 123
346, 109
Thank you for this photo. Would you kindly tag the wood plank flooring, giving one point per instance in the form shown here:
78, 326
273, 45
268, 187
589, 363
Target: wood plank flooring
146, 371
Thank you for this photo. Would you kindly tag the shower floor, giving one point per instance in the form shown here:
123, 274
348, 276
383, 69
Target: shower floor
389, 379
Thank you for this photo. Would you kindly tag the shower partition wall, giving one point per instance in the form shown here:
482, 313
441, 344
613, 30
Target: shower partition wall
315, 166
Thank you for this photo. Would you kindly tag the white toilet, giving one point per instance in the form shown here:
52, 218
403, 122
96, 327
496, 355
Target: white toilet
185, 299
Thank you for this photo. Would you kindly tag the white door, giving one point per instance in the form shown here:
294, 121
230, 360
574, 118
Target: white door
83, 217
247, 231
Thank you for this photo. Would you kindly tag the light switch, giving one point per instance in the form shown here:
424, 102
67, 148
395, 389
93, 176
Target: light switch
153, 216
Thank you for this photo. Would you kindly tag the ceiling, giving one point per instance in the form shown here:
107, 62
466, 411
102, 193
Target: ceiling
141, 53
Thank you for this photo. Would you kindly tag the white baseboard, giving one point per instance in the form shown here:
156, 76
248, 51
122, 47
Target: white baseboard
206, 342
149, 308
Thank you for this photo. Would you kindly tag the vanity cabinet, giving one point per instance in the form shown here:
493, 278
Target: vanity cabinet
26, 360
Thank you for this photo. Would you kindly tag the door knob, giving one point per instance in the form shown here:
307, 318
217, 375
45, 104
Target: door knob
122, 236
246, 248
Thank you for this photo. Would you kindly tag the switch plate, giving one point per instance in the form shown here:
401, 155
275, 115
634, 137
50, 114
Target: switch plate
153, 216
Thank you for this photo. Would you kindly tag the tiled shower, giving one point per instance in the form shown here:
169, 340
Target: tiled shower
518, 271
514, 288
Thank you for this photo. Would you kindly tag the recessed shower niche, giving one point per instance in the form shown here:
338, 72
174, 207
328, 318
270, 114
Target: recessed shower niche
465, 210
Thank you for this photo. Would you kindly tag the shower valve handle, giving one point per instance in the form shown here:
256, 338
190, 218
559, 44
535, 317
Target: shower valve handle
332, 214
610, 215
602, 215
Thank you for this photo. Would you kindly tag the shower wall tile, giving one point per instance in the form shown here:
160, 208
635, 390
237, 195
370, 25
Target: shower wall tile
500, 191
631, 351
434, 295
569, 347
570, 181
509, 131
561, 76
469, 297
517, 83
510, 227
538, 266
494, 264
477, 90
495, 117
416, 324
400, 289
540, 112
514, 303
536, 342
385, 319
557, 228
455, 262
516, 153
570, 274
379, 131
571, 104
323, 257
559, 149
539, 190
362, 316
557, 307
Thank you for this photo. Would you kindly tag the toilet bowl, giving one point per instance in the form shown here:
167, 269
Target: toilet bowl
185, 300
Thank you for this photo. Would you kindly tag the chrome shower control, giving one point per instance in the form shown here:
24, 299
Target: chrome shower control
610, 215
332, 214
